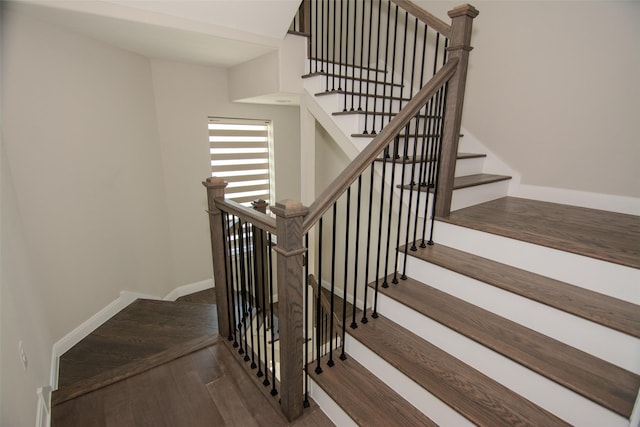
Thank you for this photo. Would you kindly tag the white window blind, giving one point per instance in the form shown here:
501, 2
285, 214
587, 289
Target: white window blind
240, 153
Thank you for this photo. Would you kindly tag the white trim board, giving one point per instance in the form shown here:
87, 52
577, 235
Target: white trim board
188, 289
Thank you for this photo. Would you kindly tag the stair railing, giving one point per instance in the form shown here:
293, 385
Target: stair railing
353, 238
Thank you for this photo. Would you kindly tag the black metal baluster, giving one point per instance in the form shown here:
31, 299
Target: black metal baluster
353, 54
318, 300
249, 316
398, 231
243, 288
274, 391
375, 294
343, 356
437, 168
384, 86
330, 362
393, 62
325, 58
340, 62
257, 243
236, 295
306, 322
265, 290
361, 57
316, 36
224, 218
333, 50
366, 268
404, 52
354, 325
375, 73
385, 284
366, 99
426, 180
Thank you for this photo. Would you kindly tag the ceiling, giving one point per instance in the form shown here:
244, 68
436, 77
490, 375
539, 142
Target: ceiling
209, 32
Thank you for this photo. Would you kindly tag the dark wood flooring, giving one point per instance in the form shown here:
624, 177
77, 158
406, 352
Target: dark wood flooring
202, 389
603, 235
160, 363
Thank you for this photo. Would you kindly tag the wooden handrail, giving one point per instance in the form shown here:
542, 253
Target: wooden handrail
369, 154
424, 16
260, 220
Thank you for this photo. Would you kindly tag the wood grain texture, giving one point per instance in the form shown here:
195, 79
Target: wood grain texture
597, 380
420, 159
202, 389
463, 181
145, 334
602, 309
608, 236
365, 398
468, 391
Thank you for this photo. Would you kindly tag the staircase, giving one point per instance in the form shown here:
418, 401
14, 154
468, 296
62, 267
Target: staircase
526, 325
479, 341
475, 308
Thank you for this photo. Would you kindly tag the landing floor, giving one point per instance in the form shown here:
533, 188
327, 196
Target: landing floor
203, 389
603, 235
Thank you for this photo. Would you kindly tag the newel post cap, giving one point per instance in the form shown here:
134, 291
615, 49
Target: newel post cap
289, 209
463, 10
214, 182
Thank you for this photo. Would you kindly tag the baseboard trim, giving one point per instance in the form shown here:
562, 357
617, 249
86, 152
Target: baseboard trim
606, 202
188, 289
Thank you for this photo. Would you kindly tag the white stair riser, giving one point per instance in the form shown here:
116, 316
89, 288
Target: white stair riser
344, 70
604, 343
545, 393
465, 197
322, 83
600, 276
329, 406
426, 402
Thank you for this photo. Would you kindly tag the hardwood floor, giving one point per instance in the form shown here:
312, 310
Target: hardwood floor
603, 235
204, 388
160, 363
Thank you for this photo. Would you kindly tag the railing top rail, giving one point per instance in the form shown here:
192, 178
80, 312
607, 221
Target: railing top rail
369, 154
424, 16
260, 220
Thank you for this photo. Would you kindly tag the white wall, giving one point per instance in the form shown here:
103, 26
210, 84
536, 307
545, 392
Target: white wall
553, 90
21, 315
185, 96
80, 137
105, 151
84, 213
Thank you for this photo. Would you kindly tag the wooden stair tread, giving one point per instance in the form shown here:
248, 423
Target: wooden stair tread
362, 94
603, 235
602, 382
611, 312
466, 181
418, 159
468, 391
358, 79
364, 397
359, 67
376, 113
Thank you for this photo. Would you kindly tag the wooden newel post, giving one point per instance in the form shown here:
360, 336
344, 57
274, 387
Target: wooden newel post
459, 47
215, 189
290, 250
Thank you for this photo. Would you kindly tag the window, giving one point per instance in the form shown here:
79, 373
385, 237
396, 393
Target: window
241, 154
